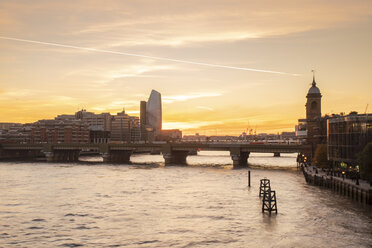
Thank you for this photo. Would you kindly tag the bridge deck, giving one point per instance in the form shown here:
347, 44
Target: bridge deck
263, 148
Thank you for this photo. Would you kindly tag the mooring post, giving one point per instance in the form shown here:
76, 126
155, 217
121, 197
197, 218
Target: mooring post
249, 178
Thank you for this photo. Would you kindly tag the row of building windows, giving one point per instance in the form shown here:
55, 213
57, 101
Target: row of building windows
347, 136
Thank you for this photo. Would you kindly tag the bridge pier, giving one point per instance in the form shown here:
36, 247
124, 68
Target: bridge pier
117, 156
19, 154
155, 151
276, 154
63, 156
49, 156
193, 152
175, 157
239, 158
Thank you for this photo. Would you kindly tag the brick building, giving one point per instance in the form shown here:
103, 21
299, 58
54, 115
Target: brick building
56, 131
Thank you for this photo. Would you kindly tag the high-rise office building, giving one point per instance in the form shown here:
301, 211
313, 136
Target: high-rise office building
143, 122
154, 112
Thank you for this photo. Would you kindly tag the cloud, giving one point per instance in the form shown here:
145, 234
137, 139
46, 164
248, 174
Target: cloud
119, 104
138, 70
214, 21
106, 75
231, 127
17, 93
171, 99
33, 95
143, 56
174, 23
205, 108
193, 125
130, 112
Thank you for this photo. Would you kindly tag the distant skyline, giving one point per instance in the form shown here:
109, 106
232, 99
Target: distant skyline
41, 81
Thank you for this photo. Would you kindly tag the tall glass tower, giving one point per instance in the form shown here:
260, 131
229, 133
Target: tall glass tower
153, 111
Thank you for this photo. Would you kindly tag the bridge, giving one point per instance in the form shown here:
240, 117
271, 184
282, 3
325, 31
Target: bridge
173, 153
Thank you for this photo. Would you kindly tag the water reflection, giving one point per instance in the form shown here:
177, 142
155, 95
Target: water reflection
142, 205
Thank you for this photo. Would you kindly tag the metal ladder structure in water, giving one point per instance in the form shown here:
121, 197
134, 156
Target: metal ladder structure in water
269, 197
264, 185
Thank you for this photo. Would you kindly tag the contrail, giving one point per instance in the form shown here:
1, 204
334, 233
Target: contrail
145, 56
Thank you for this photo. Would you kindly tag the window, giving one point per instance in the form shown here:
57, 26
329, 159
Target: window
314, 105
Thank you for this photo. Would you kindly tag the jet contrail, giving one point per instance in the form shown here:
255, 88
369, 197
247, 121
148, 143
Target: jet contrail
145, 56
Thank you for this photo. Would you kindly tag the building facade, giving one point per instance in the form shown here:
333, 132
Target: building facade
313, 129
56, 131
16, 133
99, 124
143, 121
95, 121
154, 112
316, 125
125, 128
347, 136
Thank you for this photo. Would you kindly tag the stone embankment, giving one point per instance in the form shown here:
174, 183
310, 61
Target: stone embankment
357, 190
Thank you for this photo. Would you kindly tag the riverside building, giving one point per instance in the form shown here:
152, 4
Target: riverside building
15, 133
347, 136
125, 128
57, 131
99, 124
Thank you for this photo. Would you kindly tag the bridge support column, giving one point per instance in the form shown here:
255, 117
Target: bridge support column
49, 156
155, 151
19, 154
276, 154
106, 157
2, 153
117, 156
63, 156
193, 152
73, 155
240, 159
175, 157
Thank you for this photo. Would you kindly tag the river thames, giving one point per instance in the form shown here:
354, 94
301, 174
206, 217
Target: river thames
145, 204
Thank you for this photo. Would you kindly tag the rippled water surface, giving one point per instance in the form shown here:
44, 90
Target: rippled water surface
148, 205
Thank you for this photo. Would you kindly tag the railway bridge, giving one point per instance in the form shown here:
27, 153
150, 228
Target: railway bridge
173, 153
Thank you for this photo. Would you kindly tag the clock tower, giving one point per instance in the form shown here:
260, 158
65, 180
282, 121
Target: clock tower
314, 120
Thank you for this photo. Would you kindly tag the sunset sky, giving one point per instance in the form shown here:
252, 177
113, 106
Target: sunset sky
40, 81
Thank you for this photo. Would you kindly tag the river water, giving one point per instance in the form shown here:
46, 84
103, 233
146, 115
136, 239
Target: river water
148, 205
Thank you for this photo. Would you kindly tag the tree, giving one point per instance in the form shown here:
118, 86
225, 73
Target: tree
365, 162
353, 113
320, 156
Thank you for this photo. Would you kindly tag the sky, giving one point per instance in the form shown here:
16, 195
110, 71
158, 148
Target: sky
58, 57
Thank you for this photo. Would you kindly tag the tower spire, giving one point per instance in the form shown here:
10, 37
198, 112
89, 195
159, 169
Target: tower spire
314, 83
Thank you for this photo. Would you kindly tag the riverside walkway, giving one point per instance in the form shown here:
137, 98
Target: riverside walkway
357, 190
